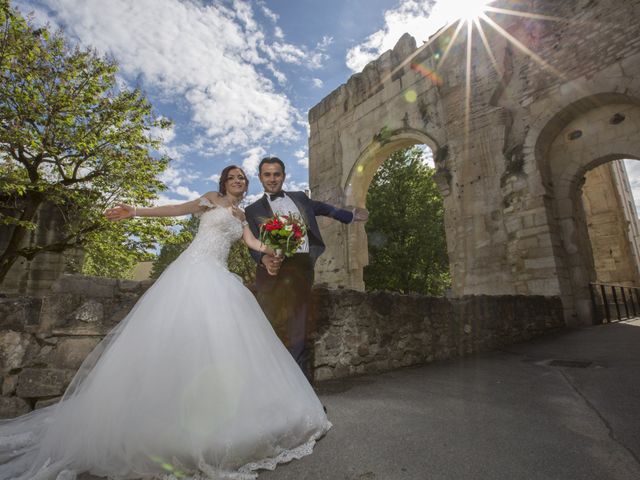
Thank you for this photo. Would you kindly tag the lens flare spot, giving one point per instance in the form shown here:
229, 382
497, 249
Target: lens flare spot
168, 467
426, 72
199, 414
410, 96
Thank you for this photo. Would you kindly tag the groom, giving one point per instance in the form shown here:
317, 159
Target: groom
284, 285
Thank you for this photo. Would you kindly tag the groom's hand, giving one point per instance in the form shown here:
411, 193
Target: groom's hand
360, 214
272, 264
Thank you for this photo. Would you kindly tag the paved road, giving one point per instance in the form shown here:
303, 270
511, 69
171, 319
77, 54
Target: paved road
565, 407
511, 415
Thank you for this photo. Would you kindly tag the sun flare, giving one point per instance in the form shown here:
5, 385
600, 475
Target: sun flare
453, 10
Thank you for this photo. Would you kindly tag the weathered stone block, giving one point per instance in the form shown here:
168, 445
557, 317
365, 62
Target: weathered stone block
19, 313
9, 384
323, 373
91, 312
42, 382
45, 355
11, 407
71, 352
46, 402
17, 349
128, 285
56, 310
86, 286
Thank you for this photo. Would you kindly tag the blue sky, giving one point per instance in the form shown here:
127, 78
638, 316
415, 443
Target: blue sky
237, 77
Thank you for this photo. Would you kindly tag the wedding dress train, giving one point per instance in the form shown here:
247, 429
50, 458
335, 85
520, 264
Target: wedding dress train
193, 383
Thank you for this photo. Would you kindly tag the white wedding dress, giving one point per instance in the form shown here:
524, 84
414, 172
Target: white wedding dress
193, 383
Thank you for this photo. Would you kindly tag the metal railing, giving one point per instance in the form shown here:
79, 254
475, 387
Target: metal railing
614, 302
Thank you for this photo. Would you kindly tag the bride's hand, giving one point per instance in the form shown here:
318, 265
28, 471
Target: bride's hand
271, 252
120, 212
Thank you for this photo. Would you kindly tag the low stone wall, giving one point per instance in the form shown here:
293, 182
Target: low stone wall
361, 333
44, 341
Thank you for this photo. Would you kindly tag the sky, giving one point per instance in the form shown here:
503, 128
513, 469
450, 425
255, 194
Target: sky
238, 77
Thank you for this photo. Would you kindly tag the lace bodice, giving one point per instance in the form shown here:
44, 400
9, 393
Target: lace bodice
218, 230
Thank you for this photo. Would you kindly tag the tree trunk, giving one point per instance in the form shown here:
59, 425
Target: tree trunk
10, 253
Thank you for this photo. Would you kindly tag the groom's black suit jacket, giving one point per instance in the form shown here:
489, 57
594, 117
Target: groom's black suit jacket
259, 211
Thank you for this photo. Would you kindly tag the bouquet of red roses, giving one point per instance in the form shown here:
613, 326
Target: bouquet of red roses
283, 233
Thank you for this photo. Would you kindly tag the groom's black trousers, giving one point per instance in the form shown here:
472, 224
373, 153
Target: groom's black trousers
285, 299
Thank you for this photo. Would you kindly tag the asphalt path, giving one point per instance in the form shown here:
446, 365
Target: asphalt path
563, 407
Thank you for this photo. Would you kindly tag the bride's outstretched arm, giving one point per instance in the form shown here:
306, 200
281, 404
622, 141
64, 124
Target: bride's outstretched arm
254, 244
122, 210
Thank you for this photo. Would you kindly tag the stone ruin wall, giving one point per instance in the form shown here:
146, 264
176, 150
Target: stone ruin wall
43, 341
34, 277
612, 222
511, 188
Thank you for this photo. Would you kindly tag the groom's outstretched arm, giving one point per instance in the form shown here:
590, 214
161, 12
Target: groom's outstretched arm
340, 214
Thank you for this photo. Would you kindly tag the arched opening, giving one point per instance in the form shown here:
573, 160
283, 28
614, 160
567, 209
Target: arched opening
590, 196
612, 224
357, 186
405, 232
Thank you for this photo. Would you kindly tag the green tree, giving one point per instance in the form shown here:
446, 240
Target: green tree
174, 246
70, 136
407, 245
240, 261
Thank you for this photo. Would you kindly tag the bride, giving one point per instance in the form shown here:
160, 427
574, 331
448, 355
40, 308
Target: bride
193, 383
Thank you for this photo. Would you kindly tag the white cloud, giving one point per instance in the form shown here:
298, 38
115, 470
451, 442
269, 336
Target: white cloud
317, 83
427, 155
278, 75
303, 160
171, 177
215, 178
164, 200
210, 54
187, 193
418, 18
166, 135
324, 43
270, 14
175, 177
249, 199
252, 160
316, 60
294, 186
633, 173
285, 52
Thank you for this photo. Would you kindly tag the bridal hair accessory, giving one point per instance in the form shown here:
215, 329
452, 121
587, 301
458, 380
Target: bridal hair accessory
283, 233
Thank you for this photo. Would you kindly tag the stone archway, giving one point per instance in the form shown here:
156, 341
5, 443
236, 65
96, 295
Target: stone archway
595, 131
492, 119
352, 132
357, 186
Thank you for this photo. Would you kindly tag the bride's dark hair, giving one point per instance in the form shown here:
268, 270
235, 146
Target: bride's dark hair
224, 176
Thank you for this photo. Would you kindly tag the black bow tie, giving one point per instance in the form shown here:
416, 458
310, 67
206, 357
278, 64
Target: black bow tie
273, 196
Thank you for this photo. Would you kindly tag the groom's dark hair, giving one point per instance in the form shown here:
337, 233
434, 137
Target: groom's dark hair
270, 160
